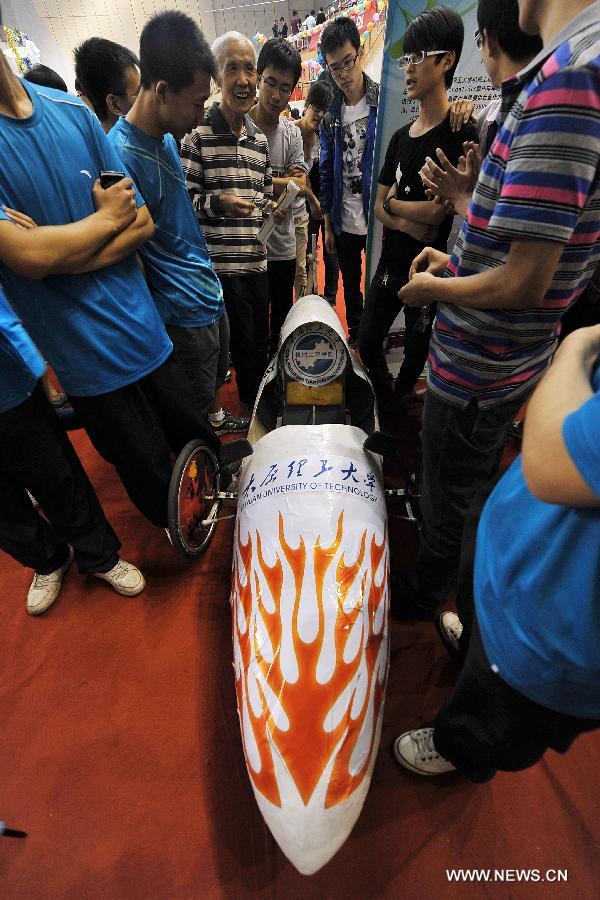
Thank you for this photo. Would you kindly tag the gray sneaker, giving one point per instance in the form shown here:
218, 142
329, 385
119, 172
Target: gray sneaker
45, 588
416, 751
124, 578
450, 629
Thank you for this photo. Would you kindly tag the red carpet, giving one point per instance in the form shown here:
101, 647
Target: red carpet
120, 753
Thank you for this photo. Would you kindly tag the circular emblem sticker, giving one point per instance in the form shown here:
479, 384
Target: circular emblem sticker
314, 355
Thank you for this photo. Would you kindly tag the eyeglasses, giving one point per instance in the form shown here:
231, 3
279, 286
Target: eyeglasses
413, 59
284, 89
478, 37
336, 70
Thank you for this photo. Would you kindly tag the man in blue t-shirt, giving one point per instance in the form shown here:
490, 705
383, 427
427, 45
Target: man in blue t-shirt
531, 677
181, 277
73, 525
89, 310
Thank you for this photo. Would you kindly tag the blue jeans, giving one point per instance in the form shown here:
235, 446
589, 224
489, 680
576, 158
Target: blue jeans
462, 449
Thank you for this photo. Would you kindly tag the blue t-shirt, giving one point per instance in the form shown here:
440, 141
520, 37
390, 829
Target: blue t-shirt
99, 331
20, 363
182, 280
537, 581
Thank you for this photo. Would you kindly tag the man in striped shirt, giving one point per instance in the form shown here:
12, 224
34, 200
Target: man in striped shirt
228, 175
527, 250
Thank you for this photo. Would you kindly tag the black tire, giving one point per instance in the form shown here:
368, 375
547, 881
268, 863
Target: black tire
187, 506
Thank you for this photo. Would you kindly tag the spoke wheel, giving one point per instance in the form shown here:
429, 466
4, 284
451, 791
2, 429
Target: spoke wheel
193, 509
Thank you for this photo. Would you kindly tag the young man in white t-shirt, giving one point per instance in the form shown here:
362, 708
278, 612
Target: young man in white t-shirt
279, 66
347, 142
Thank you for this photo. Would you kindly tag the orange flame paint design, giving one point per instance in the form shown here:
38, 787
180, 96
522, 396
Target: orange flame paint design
305, 746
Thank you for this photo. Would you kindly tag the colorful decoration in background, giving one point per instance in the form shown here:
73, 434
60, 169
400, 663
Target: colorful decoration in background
22, 49
396, 110
259, 39
366, 14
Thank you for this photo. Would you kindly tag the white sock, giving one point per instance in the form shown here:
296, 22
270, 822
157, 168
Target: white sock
216, 418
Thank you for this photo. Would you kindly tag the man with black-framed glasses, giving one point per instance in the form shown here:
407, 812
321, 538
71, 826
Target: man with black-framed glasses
110, 77
347, 142
279, 66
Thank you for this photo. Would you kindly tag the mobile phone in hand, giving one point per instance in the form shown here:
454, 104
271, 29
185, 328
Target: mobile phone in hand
107, 179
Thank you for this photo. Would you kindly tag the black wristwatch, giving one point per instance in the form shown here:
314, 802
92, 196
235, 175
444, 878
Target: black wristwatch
386, 206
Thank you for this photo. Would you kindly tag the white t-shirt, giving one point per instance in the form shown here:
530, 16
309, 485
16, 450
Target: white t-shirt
355, 120
285, 152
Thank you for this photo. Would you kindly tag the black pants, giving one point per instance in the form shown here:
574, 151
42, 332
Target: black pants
350, 248
203, 355
462, 449
35, 453
381, 308
330, 261
465, 587
137, 428
281, 274
486, 725
247, 303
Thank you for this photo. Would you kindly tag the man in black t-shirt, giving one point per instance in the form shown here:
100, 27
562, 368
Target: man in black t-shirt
411, 221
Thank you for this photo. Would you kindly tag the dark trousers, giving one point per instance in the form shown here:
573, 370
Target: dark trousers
35, 453
486, 725
350, 248
330, 261
247, 303
202, 353
138, 427
465, 587
462, 449
381, 308
281, 274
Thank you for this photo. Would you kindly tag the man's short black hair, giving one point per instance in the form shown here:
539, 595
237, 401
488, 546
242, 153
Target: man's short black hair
337, 33
440, 28
101, 69
173, 49
277, 53
320, 95
500, 19
45, 76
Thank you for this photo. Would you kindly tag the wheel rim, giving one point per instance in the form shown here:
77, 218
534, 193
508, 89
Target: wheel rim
198, 485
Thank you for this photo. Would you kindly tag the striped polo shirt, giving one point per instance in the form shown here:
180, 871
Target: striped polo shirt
216, 161
540, 181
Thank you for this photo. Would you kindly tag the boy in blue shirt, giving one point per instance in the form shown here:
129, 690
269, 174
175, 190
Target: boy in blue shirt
531, 677
90, 311
181, 277
73, 525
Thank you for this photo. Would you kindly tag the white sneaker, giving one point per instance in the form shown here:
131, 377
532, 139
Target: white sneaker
124, 578
416, 751
451, 629
45, 588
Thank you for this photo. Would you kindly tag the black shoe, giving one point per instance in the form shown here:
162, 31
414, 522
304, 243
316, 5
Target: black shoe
406, 604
